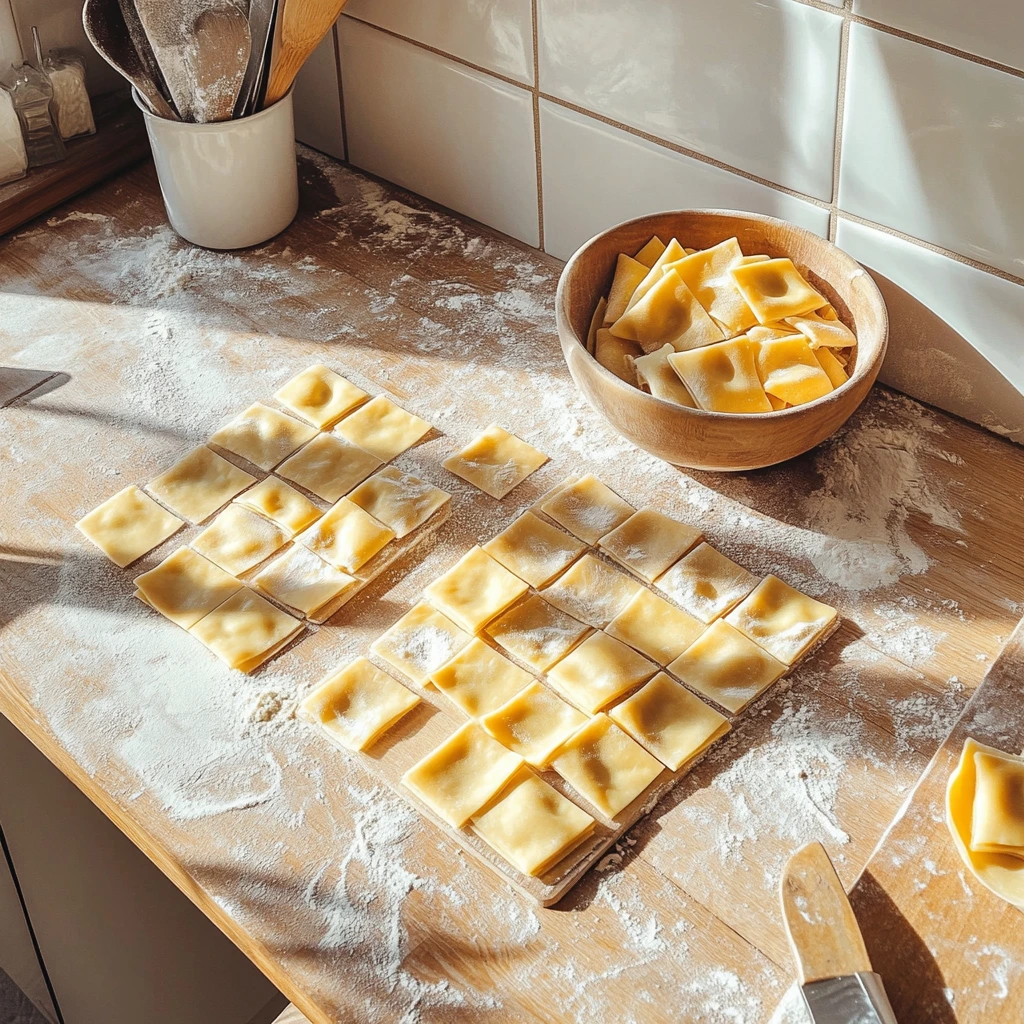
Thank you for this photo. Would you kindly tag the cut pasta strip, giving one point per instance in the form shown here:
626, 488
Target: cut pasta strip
655, 372
263, 436
320, 396
420, 642
648, 542
651, 252
592, 591
346, 536
128, 525
462, 774
238, 539
606, 766
496, 461
707, 274
280, 503
399, 500
532, 825
822, 332
478, 679
382, 428
723, 377
628, 274
673, 724
655, 628
706, 583
357, 705
475, 590
587, 508
185, 586
246, 630
775, 289
788, 370
617, 354
534, 723
199, 484
534, 550
668, 314
536, 632
329, 467
599, 670
305, 583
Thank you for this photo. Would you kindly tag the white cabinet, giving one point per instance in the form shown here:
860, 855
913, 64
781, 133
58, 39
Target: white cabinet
119, 942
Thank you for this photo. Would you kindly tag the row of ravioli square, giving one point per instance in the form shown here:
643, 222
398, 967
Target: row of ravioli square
373, 505
476, 677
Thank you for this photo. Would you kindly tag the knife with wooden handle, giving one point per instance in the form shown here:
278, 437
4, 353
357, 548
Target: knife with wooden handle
836, 979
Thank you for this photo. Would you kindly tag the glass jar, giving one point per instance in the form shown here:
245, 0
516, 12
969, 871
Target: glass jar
13, 158
71, 108
32, 94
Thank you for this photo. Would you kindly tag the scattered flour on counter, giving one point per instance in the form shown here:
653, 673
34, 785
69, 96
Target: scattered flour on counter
76, 215
791, 1009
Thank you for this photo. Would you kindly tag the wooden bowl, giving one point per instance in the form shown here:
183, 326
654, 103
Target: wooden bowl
717, 440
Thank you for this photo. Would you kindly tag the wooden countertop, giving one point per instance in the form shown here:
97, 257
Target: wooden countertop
908, 520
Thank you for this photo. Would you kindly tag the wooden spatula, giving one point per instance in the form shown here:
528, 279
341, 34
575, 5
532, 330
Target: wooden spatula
837, 982
107, 31
222, 45
301, 24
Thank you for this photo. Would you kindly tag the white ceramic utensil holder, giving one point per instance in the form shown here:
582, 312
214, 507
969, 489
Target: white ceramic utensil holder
231, 184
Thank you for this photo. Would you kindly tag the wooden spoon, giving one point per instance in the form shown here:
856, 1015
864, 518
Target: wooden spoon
105, 26
222, 46
301, 24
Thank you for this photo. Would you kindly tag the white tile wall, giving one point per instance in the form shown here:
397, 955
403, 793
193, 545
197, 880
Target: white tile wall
496, 34
317, 101
596, 175
989, 28
933, 145
752, 84
645, 105
459, 137
955, 330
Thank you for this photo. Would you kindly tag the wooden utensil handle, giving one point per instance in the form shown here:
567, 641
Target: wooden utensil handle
303, 25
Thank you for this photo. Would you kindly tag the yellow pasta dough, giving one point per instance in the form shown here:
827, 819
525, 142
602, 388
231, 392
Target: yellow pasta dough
263, 436
495, 461
462, 774
707, 274
304, 581
775, 289
769, 332
185, 586
531, 824
475, 590
672, 252
832, 366
648, 542
654, 627
346, 536
329, 467
723, 377
997, 822
587, 508
399, 500
280, 503
592, 591
320, 395
239, 539
382, 428
356, 705
536, 632
534, 723
617, 354
727, 667
673, 724
706, 583
780, 619
606, 766
420, 642
599, 670
478, 679
669, 314
534, 550
656, 373
822, 332
199, 484
628, 274
245, 631
651, 252
788, 370
127, 525
1000, 793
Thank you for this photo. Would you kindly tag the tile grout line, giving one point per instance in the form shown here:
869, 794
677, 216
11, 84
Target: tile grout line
536, 125
831, 207
341, 91
837, 144
847, 13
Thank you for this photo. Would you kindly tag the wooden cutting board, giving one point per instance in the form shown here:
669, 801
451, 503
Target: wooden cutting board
948, 949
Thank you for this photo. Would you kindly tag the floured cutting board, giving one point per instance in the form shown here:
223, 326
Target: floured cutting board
948, 949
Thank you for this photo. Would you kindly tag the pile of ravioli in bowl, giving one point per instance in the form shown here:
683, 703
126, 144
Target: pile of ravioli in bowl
719, 330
